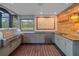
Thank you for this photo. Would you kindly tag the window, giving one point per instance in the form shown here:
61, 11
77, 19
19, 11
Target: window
15, 23
7, 19
27, 25
4, 22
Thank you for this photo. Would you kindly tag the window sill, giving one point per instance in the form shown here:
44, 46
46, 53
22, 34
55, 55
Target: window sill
28, 32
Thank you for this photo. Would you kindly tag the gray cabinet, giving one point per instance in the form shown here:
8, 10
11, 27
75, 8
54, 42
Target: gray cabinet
57, 40
64, 44
60, 42
37, 37
76, 48
10, 47
68, 46
33, 38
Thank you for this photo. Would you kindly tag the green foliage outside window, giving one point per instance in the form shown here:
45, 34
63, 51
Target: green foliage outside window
27, 25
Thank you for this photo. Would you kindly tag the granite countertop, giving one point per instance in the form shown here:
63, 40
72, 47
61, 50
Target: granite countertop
71, 36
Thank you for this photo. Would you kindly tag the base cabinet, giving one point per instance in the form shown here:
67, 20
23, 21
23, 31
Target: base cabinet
60, 42
76, 48
9, 48
33, 38
37, 38
67, 46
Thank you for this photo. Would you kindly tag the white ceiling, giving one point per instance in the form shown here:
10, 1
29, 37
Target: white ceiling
36, 8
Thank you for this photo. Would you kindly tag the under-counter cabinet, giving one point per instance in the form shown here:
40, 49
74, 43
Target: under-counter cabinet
67, 46
33, 38
60, 42
38, 37
11, 46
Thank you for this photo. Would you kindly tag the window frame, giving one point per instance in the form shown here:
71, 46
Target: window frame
10, 19
7, 19
26, 30
13, 21
3, 11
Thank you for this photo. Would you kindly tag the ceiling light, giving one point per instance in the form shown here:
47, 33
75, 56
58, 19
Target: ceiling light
41, 12
55, 13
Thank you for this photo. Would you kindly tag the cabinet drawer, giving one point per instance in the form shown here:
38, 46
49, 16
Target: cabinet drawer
4, 51
15, 44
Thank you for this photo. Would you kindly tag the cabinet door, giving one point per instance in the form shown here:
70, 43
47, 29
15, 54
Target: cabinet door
4, 51
63, 44
33, 38
53, 37
66, 45
57, 40
60, 42
69, 47
76, 48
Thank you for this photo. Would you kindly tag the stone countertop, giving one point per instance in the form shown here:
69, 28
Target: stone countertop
71, 36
